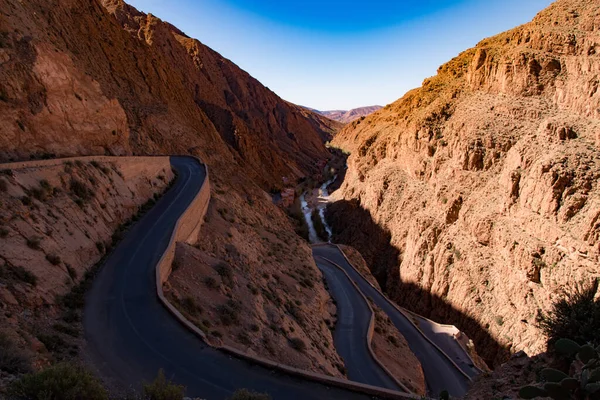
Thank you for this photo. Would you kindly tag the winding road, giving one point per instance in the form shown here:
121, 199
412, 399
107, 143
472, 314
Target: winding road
440, 373
351, 329
130, 335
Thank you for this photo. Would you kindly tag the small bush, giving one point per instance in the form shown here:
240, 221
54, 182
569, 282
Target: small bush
3, 232
23, 275
189, 305
34, 242
245, 394
60, 382
26, 200
211, 282
3, 185
162, 389
66, 329
80, 190
100, 246
12, 359
298, 344
229, 312
225, 272
575, 317
53, 343
53, 259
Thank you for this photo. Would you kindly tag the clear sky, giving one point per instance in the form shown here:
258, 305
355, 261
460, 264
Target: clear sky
335, 54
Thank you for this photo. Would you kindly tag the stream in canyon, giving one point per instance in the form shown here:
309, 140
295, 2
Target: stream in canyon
316, 199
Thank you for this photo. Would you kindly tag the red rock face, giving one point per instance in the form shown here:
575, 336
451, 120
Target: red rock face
479, 191
81, 77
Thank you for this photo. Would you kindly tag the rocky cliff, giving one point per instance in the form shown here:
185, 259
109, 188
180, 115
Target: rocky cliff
98, 77
475, 198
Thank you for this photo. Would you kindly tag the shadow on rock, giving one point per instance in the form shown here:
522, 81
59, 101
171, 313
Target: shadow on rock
352, 225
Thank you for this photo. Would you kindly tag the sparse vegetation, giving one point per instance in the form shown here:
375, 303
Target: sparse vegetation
62, 381
245, 394
19, 273
211, 282
12, 359
575, 317
298, 344
582, 382
189, 305
3, 185
229, 312
163, 389
34, 242
225, 272
53, 258
80, 191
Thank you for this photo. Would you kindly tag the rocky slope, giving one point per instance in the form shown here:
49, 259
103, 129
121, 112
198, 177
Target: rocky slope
96, 77
58, 218
91, 77
346, 116
476, 197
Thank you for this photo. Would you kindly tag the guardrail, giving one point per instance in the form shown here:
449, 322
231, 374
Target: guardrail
371, 326
183, 231
406, 314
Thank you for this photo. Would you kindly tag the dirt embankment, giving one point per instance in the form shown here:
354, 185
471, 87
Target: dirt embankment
475, 198
58, 218
251, 282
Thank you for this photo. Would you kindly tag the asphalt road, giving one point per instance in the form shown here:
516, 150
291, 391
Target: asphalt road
130, 335
440, 373
350, 336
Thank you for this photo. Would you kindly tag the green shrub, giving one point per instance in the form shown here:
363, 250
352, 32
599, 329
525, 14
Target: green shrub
162, 389
575, 317
582, 384
245, 394
26, 200
12, 359
3, 232
60, 382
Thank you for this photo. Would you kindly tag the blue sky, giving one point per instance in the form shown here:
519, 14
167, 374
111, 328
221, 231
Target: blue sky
341, 54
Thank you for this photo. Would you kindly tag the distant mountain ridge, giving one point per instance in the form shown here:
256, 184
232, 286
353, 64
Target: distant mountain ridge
346, 116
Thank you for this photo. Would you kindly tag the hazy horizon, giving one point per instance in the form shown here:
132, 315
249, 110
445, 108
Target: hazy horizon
341, 55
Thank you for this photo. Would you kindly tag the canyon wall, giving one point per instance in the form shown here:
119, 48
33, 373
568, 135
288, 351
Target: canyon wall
98, 77
475, 198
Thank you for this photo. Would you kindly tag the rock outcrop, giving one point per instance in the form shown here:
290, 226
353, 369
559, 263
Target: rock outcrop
479, 191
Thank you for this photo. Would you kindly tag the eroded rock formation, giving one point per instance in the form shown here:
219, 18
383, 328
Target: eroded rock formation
481, 187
